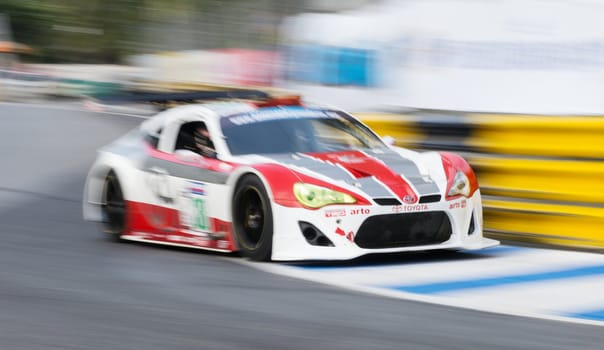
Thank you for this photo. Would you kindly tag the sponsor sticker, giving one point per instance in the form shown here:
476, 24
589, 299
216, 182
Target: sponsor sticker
458, 205
200, 218
349, 236
193, 210
269, 114
200, 241
335, 213
360, 211
409, 208
197, 188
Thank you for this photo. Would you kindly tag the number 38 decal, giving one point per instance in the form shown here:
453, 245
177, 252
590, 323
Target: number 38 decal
194, 213
200, 218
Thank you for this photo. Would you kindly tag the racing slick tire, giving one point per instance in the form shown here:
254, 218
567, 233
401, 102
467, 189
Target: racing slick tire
253, 219
113, 207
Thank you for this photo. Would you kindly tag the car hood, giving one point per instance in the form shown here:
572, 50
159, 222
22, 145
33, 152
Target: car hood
384, 175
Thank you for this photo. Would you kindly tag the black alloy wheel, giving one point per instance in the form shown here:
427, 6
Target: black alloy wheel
113, 207
253, 219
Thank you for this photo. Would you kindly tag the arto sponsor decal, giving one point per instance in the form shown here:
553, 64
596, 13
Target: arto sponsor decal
359, 211
349, 236
457, 205
409, 208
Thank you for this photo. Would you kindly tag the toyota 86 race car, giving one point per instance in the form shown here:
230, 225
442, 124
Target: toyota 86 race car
285, 181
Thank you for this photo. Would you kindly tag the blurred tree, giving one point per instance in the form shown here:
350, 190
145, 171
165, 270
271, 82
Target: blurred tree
106, 31
26, 20
73, 30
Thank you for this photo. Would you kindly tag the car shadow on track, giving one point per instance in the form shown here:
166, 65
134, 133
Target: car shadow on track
370, 260
408, 258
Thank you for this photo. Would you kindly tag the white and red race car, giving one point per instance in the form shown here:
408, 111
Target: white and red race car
288, 182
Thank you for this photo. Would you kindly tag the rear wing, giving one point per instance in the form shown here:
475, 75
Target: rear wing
168, 99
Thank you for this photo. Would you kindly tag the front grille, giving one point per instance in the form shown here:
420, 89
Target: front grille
403, 230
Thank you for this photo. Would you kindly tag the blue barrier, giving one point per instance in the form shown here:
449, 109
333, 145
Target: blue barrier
356, 67
329, 65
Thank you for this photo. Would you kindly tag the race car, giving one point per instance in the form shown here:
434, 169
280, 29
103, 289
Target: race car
284, 180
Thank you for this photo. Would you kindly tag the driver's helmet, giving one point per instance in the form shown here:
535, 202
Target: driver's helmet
203, 143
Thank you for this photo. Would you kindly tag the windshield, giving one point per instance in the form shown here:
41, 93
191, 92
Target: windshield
295, 130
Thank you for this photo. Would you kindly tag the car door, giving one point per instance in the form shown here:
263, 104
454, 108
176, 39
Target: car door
174, 175
198, 187
189, 191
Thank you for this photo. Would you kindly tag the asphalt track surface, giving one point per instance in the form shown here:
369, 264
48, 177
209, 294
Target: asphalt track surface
64, 286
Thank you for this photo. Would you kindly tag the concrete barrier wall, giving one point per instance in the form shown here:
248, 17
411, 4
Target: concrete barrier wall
542, 177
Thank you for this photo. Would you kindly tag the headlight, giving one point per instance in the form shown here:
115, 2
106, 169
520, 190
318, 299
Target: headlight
316, 196
461, 185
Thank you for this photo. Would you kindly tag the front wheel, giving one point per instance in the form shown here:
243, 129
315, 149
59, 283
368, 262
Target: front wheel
253, 219
113, 207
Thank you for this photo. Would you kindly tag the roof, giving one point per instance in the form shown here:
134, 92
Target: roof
214, 107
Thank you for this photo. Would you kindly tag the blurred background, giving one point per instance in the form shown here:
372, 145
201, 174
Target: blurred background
515, 86
544, 57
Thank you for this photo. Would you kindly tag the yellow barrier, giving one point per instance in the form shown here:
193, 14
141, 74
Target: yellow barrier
400, 127
567, 225
561, 136
556, 180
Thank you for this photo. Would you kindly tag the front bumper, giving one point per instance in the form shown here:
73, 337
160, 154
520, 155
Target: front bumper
360, 230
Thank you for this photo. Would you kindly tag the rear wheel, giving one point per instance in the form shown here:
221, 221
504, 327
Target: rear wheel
113, 207
253, 219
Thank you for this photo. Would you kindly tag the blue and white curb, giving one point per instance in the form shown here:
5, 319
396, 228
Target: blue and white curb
541, 283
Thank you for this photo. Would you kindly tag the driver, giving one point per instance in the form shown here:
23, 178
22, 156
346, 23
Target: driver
203, 143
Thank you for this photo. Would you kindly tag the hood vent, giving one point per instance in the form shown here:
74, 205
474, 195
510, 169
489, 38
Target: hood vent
430, 198
387, 201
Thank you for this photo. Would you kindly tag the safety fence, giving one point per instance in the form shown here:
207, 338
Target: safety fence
542, 177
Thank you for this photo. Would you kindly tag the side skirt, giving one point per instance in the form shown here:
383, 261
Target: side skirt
183, 245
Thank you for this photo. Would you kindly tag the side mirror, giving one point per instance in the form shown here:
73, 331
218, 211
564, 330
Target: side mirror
389, 140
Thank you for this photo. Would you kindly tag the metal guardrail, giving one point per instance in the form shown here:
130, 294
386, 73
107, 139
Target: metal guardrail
542, 177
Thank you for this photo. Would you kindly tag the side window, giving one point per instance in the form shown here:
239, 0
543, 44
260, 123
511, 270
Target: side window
194, 136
